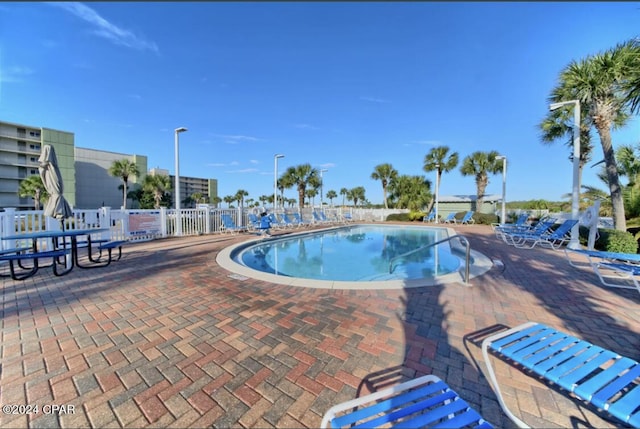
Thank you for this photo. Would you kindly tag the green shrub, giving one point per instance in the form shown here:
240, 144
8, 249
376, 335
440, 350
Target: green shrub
413, 216
484, 218
612, 240
403, 217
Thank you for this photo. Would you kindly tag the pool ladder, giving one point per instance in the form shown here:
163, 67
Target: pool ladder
460, 237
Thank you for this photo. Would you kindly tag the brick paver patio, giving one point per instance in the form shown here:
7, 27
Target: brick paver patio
166, 338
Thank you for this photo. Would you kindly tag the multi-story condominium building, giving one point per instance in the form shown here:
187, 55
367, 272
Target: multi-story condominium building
189, 186
20, 147
95, 187
85, 172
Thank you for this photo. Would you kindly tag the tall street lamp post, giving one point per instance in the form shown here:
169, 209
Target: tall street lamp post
324, 170
574, 243
275, 181
437, 189
504, 187
177, 181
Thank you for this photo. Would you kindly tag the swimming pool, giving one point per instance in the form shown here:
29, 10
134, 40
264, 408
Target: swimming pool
358, 256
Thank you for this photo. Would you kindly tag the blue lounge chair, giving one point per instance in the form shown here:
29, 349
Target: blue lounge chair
430, 217
228, 225
533, 233
261, 224
319, 218
275, 222
285, 221
468, 218
520, 223
422, 402
552, 239
595, 375
451, 218
348, 218
254, 221
297, 218
323, 218
610, 266
289, 222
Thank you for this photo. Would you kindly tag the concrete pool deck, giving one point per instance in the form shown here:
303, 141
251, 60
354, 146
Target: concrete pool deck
168, 338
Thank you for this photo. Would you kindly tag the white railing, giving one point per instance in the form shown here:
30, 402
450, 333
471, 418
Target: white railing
139, 225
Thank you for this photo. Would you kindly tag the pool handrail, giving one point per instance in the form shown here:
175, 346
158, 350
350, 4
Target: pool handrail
461, 237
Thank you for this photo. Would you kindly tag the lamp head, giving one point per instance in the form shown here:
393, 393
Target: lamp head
501, 157
279, 156
181, 130
554, 106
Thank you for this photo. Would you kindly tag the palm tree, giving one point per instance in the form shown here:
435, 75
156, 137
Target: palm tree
357, 194
600, 83
123, 168
229, 199
632, 86
629, 166
197, 197
480, 164
281, 185
216, 200
437, 160
239, 197
301, 176
311, 193
557, 124
331, 194
343, 192
33, 187
385, 173
157, 185
411, 192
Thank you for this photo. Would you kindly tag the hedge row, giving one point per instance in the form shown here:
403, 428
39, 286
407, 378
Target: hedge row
479, 218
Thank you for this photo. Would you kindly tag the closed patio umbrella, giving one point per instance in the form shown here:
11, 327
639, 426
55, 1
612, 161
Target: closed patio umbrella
56, 206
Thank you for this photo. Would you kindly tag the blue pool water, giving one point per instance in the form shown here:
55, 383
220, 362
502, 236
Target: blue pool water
356, 253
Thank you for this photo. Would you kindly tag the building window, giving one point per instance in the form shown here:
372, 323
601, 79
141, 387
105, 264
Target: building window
34, 171
34, 133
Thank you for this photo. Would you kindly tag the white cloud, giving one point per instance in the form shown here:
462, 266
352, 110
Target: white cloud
374, 100
235, 139
105, 29
243, 170
254, 161
306, 127
15, 74
328, 165
135, 96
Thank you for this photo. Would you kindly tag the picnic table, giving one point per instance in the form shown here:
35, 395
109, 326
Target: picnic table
64, 251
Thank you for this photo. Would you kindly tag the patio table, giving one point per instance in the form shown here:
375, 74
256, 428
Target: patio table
59, 247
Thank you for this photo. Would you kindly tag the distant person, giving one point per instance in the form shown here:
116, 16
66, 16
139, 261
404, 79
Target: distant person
265, 223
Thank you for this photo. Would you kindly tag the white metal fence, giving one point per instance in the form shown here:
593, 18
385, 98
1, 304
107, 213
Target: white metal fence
138, 225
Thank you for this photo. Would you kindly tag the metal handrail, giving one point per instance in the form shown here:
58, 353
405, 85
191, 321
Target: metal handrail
461, 237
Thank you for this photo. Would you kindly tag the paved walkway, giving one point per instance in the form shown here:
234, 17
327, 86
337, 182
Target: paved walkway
166, 338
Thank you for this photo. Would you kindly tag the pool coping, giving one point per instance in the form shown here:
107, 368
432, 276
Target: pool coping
481, 264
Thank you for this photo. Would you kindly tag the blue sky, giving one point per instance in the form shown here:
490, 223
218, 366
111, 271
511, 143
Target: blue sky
342, 86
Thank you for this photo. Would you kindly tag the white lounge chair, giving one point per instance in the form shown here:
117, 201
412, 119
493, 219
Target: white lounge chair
614, 269
422, 402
